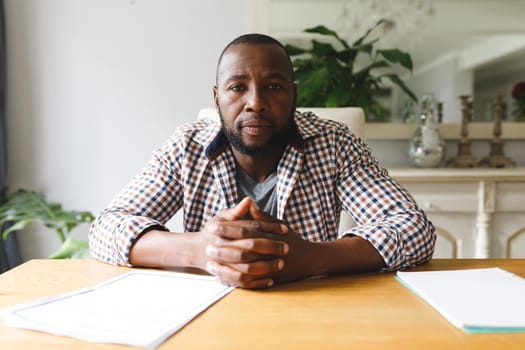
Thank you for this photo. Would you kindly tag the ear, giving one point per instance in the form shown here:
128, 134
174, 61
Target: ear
216, 97
294, 96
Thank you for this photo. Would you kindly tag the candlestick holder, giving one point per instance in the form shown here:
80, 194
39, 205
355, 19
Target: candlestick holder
464, 158
497, 158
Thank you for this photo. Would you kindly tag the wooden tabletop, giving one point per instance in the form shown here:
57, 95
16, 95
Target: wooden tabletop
368, 311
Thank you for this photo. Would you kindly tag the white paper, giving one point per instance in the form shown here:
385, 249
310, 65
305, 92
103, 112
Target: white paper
139, 308
477, 300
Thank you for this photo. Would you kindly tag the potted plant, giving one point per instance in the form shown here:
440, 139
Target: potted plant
329, 77
24, 207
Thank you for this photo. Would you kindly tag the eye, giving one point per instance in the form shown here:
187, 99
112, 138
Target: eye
237, 88
274, 86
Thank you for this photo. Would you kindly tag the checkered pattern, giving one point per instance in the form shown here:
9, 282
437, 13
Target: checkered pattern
327, 171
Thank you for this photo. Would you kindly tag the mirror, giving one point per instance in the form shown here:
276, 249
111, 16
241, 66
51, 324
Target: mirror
473, 47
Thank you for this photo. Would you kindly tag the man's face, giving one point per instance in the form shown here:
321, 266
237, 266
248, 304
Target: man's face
255, 97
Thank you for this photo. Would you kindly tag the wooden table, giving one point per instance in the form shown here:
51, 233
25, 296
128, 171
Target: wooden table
369, 311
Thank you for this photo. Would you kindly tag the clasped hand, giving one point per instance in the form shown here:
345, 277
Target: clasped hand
253, 253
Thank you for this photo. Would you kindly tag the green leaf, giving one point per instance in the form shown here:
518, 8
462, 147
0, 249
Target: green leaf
322, 30
81, 254
24, 207
323, 49
360, 40
18, 225
364, 73
366, 48
315, 84
337, 98
326, 76
396, 80
329, 32
70, 248
378, 64
347, 56
294, 50
397, 56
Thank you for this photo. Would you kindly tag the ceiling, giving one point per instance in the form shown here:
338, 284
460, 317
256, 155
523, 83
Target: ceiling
457, 27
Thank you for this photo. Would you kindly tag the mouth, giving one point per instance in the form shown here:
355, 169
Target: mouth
256, 126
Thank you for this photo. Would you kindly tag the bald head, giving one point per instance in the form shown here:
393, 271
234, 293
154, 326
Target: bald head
254, 39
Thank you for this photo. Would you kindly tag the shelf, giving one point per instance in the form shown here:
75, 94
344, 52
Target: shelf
477, 131
405, 175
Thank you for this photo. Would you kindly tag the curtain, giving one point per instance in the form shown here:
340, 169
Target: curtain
9, 251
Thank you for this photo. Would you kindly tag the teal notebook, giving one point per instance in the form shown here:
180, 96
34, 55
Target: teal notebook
477, 300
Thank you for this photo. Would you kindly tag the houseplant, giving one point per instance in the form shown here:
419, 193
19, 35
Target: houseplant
329, 77
22, 207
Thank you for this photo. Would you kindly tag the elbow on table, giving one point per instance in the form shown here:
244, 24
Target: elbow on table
103, 244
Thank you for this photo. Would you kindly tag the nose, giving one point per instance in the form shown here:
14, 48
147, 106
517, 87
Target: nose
256, 100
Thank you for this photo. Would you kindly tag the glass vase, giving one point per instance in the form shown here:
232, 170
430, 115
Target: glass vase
427, 148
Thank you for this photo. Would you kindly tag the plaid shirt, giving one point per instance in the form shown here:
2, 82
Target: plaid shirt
324, 169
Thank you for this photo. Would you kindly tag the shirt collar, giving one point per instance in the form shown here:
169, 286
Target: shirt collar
215, 142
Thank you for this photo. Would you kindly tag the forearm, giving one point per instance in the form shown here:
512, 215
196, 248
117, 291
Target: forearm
163, 249
312, 259
148, 201
345, 255
403, 240
386, 214
113, 233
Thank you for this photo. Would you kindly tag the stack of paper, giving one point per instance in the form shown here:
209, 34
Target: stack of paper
139, 308
478, 300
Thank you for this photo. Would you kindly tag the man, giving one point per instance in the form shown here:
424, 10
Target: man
261, 193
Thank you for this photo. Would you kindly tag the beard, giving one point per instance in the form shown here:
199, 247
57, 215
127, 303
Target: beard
277, 141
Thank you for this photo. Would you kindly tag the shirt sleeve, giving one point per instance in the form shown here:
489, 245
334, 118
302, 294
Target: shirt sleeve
386, 214
148, 201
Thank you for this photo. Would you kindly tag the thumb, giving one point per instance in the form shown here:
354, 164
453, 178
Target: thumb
237, 212
258, 214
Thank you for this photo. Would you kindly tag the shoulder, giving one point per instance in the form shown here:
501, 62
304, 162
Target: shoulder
201, 132
310, 125
193, 137
329, 137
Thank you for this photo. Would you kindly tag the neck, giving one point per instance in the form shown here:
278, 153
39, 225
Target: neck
260, 166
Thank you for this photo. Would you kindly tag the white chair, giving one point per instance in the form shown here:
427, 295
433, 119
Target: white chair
208, 113
353, 117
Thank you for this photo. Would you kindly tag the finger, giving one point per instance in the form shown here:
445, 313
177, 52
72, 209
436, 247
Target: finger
258, 214
246, 229
256, 283
260, 267
230, 254
234, 229
261, 246
276, 227
233, 277
237, 212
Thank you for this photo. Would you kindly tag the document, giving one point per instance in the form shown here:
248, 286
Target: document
476, 300
139, 308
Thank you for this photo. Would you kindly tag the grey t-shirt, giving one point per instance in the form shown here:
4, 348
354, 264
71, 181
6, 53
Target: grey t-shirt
262, 193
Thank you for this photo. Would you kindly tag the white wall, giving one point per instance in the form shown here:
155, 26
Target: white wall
445, 82
488, 87
95, 85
